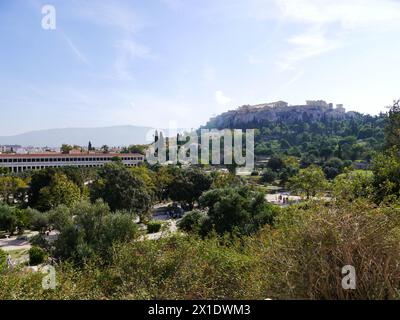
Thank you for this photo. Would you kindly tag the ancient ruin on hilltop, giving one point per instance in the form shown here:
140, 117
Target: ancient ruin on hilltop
277, 111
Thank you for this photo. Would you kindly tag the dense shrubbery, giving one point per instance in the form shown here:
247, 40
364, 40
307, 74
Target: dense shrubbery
154, 226
121, 190
230, 209
172, 268
36, 256
301, 257
318, 140
93, 232
3, 260
192, 221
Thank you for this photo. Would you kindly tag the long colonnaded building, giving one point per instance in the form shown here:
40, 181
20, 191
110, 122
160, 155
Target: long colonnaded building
22, 162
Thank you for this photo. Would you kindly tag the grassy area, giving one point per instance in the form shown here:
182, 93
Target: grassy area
18, 254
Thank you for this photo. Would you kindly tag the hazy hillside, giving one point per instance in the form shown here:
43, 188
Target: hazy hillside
314, 134
112, 136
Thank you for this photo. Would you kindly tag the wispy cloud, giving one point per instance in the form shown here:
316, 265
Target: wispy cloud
121, 20
128, 51
81, 57
349, 13
327, 23
306, 45
221, 98
110, 14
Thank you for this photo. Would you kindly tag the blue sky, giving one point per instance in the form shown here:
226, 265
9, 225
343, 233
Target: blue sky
155, 62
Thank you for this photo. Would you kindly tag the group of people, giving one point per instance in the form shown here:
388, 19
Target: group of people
283, 199
175, 211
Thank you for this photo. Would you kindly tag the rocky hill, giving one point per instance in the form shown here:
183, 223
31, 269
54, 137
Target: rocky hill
256, 115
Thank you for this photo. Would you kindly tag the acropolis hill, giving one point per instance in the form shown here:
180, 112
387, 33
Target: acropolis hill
277, 111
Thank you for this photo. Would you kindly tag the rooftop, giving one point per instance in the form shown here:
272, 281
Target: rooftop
63, 155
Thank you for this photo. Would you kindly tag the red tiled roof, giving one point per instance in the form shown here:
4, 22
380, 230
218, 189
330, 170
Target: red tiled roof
62, 155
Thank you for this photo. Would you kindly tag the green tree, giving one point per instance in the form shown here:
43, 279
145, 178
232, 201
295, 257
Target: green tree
268, 175
60, 217
94, 231
275, 163
137, 148
309, 181
121, 190
66, 148
386, 168
36, 256
3, 261
105, 149
354, 184
238, 209
43, 178
8, 219
11, 188
22, 219
61, 190
392, 126
225, 179
38, 221
188, 185
148, 177
192, 221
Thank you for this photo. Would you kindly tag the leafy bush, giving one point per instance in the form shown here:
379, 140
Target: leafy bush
354, 184
300, 257
184, 268
268, 176
154, 226
36, 256
192, 221
39, 221
8, 219
93, 232
3, 260
235, 209
386, 168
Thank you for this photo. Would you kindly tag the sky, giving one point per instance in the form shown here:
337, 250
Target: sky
161, 62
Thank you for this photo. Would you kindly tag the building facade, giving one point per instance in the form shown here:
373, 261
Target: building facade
277, 104
317, 103
23, 162
340, 108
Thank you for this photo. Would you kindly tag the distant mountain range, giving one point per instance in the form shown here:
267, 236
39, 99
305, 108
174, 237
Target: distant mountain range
111, 136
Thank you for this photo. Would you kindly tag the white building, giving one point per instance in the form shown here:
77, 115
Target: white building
317, 103
9, 148
23, 162
340, 108
277, 104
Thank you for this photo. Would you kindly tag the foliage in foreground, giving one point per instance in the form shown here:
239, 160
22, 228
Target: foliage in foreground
300, 257
310, 246
36, 256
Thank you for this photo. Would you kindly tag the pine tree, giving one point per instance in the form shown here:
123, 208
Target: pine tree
392, 128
